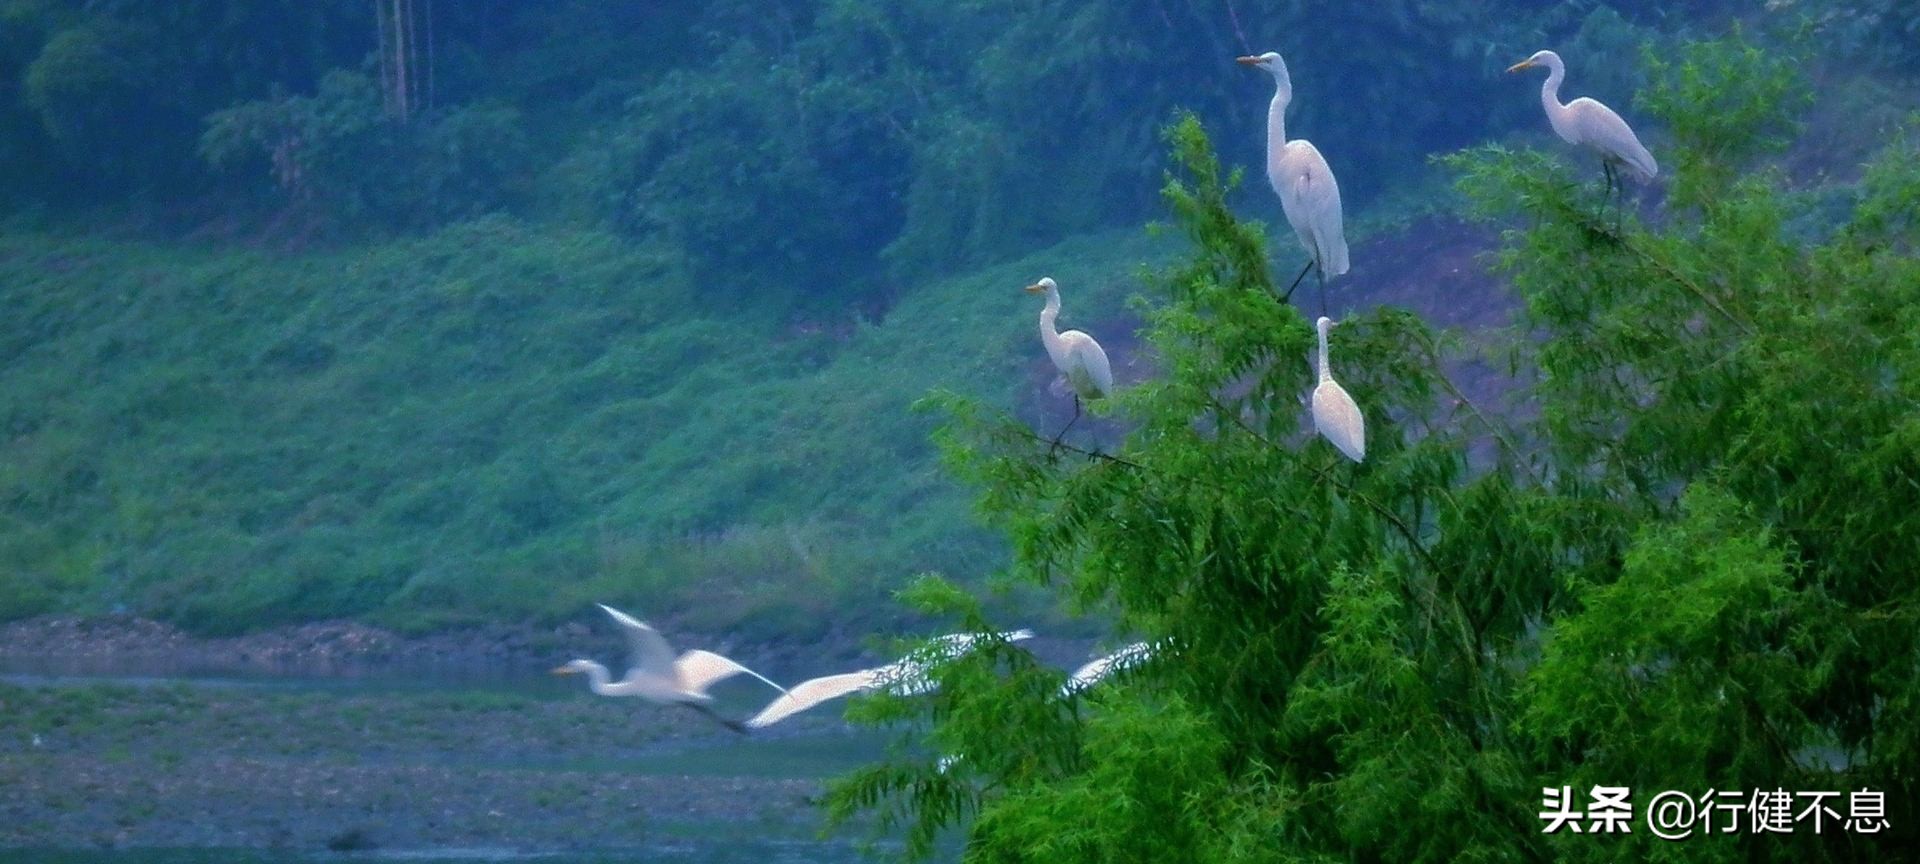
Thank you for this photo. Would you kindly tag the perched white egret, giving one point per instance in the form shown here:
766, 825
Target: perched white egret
1300, 176
904, 677
657, 676
1335, 415
1080, 359
1100, 667
1585, 122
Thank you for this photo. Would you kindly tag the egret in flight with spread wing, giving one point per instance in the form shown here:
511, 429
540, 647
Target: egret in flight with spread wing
657, 676
1075, 354
1300, 176
1334, 413
1587, 123
904, 677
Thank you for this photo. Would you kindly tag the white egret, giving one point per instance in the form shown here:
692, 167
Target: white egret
1335, 415
657, 676
904, 677
1587, 123
1075, 354
1300, 176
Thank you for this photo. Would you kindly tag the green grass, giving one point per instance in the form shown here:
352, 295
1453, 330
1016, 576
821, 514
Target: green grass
496, 422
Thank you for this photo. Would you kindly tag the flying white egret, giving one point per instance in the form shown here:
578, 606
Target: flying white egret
657, 676
1075, 354
1334, 413
904, 677
1585, 122
1300, 176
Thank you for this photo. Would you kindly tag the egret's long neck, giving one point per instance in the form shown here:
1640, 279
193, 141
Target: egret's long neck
1277, 111
1550, 88
1050, 334
597, 678
1326, 372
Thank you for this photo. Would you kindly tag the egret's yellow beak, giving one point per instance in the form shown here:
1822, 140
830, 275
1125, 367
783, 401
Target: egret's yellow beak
1524, 64
1247, 61
1035, 288
564, 670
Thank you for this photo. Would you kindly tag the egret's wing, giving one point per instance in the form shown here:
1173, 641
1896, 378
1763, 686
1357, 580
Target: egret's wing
1337, 417
652, 655
811, 692
699, 670
1603, 130
1311, 199
909, 676
1132, 654
1100, 667
960, 643
1087, 675
906, 677
1087, 355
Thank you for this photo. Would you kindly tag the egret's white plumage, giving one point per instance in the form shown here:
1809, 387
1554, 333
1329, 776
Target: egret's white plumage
1080, 359
1585, 122
1300, 176
654, 674
814, 691
1335, 415
904, 677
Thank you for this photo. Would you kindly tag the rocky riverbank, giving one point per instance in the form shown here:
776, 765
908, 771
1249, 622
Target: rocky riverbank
307, 647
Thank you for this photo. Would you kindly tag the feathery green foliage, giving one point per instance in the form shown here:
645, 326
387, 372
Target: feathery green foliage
1694, 569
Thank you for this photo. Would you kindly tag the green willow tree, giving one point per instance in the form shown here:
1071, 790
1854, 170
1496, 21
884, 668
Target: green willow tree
1692, 565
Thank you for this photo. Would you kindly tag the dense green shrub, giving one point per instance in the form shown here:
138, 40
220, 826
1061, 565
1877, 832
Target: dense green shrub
337, 157
118, 88
758, 174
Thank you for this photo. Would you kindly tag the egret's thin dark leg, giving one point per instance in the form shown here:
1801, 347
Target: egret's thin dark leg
1296, 281
1619, 198
1063, 431
735, 725
1323, 293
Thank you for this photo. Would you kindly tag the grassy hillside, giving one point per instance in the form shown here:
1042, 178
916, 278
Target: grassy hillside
495, 421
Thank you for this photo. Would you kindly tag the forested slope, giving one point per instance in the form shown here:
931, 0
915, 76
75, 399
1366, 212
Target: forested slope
494, 420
